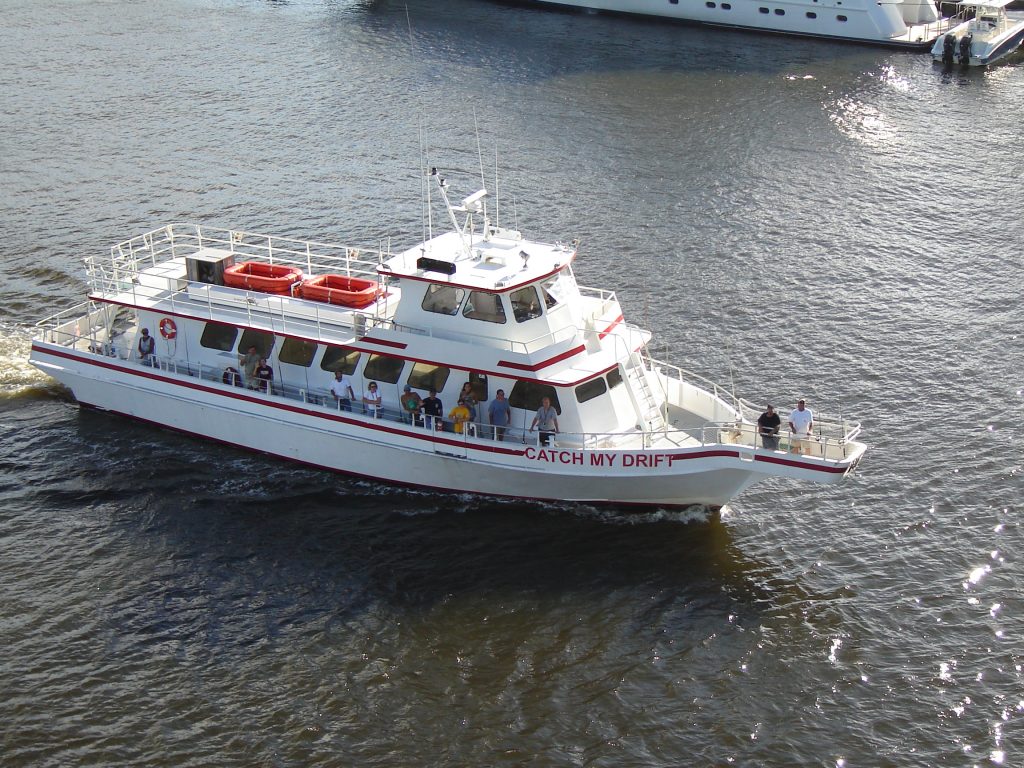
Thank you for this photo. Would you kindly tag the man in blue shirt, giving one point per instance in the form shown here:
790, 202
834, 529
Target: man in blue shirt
499, 414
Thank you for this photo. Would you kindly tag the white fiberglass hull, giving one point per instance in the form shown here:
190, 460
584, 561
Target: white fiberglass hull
407, 455
855, 20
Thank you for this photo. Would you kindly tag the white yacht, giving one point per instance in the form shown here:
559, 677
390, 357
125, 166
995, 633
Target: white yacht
902, 23
986, 34
473, 310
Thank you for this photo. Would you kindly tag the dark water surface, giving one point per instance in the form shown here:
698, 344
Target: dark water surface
799, 217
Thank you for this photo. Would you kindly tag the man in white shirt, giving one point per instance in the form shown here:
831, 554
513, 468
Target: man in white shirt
341, 388
801, 424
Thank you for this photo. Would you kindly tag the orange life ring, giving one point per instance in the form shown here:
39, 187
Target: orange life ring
168, 329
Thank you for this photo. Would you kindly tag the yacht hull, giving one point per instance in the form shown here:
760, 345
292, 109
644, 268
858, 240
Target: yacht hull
403, 454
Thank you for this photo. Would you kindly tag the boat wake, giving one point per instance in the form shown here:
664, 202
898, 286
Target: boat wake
18, 377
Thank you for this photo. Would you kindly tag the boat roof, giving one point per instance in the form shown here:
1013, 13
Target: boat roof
985, 3
501, 260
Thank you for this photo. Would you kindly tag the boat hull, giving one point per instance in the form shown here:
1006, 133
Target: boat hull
412, 456
872, 23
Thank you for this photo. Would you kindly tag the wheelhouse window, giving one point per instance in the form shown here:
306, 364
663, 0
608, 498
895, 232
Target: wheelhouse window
443, 299
528, 394
614, 378
217, 336
263, 341
591, 389
484, 306
557, 289
340, 359
478, 382
297, 352
383, 368
427, 376
525, 304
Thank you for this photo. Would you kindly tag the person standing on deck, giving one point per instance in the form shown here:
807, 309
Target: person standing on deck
248, 363
801, 424
547, 418
147, 348
768, 424
499, 414
341, 389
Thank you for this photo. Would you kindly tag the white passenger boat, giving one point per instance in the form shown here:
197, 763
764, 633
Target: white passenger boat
478, 304
901, 23
986, 34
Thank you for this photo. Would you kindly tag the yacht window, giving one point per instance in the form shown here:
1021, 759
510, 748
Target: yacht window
590, 390
264, 342
427, 376
297, 352
726, 7
710, 5
780, 12
478, 382
812, 15
614, 378
840, 17
443, 299
763, 10
525, 304
383, 368
217, 336
528, 394
554, 291
339, 359
484, 306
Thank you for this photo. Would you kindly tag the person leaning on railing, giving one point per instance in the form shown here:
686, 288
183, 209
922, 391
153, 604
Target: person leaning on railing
768, 424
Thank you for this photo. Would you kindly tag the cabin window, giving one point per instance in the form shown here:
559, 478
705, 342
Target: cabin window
762, 10
525, 304
726, 7
840, 17
812, 15
478, 383
591, 389
527, 395
484, 306
614, 378
780, 12
710, 5
556, 289
263, 341
217, 336
297, 352
340, 359
383, 368
673, 2
427, 376
443, 299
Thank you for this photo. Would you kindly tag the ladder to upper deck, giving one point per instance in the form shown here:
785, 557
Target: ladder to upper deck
648, 409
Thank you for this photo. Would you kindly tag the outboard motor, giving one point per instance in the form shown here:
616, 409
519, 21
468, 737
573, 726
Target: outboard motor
948, 49
965, 50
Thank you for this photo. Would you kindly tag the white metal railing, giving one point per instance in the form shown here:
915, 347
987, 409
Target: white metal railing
128, 258
830, 442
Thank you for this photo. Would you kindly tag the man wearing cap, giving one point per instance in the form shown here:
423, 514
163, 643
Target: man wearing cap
801, 424
432, 408
147, 348
768, 424
411, 406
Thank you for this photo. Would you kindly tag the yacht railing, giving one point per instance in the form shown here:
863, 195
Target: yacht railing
127, 259
76, 328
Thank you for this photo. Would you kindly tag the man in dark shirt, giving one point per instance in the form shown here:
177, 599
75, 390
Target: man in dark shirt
768, 424
264, 376
432, 408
